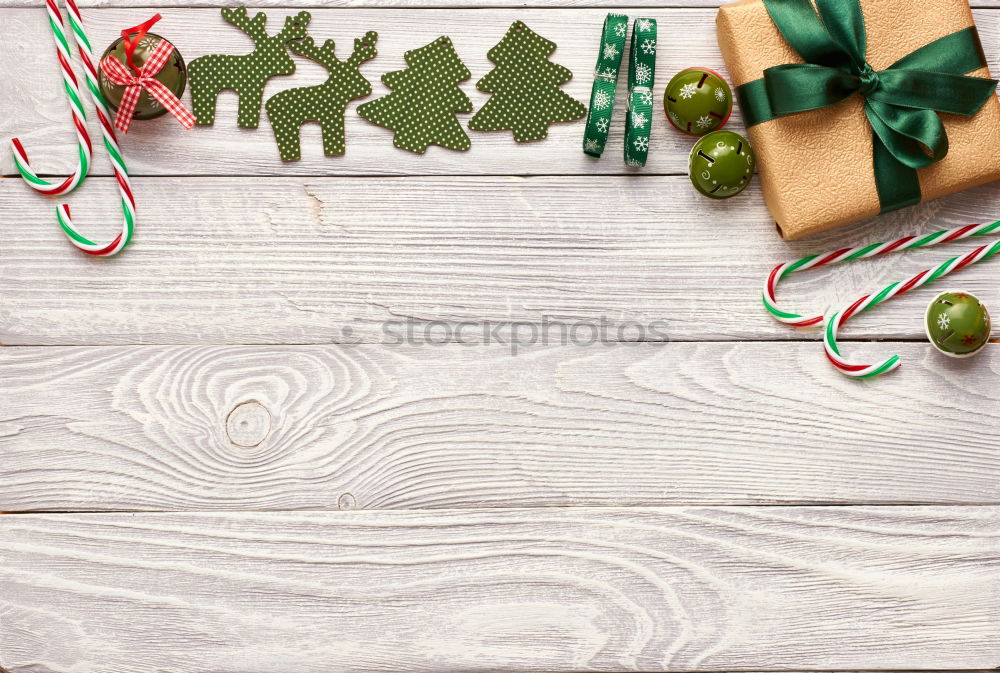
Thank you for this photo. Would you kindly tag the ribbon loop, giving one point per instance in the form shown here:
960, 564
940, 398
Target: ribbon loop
845, 23
798, 87
798, 23
938, 91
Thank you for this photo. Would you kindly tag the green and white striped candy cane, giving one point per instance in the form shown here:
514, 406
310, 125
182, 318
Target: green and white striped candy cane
833, 324
602, 94
71, 86
641, 71
86, 55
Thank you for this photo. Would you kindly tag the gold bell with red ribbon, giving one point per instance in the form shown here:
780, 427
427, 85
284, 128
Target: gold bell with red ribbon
133, 49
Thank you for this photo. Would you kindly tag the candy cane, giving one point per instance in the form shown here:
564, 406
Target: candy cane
110, 143
861, 252
868, 301
85, 148
86, 55
923, 278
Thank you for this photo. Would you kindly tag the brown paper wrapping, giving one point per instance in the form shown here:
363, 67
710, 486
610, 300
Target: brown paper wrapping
816, 167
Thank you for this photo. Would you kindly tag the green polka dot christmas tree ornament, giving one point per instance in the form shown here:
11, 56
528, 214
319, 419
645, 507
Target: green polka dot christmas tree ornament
957, 324
721, 164
246, 74
525, 86
425, 97
324, 103
698, 101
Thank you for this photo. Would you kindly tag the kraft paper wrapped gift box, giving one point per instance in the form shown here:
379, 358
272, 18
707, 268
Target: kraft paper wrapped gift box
816, 167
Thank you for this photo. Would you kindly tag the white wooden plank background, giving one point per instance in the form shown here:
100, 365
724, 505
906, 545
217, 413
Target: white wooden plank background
680, 589
40, 117
320, 260
373, 427
234, 359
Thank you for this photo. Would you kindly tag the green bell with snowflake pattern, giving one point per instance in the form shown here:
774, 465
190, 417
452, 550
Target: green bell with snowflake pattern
721, 164
958, 324
698, 101
173, 76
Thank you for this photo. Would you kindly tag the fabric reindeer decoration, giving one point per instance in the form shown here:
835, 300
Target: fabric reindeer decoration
324, 103
246, 74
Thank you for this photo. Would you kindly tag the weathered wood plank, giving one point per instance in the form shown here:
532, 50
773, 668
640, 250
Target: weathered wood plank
35, 108
680, 589
315, 260
173, 428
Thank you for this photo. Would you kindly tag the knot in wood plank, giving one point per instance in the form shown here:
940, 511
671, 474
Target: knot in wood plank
248, 424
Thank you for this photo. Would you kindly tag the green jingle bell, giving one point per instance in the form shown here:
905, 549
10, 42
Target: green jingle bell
698, 101
173, 76
957, 324
721, 164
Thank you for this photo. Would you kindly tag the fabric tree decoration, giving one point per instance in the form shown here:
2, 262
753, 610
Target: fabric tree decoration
525, 86
425, 97
246, 74
324, 103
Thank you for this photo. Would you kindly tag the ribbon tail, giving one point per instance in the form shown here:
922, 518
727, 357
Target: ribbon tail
170, 102
897, 184
916, 138
126, 109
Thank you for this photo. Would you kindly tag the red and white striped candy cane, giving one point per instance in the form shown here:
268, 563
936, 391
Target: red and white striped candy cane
124, 237
85, 148
925, 277
86, 54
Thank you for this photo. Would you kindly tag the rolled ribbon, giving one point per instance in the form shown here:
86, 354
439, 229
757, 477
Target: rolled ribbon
902, 102
641, 71
852, 369
602, 94
145, 78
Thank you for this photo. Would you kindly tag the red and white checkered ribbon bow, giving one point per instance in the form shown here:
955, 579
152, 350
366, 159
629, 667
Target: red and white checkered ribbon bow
119, 74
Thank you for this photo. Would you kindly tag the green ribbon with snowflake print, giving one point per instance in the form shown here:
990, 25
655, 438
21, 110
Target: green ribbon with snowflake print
602, 95
639, 114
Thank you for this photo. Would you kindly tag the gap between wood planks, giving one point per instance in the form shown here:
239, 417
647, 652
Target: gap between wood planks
805, 504
429, 344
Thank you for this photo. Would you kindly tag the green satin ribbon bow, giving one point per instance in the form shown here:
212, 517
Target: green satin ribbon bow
902, 102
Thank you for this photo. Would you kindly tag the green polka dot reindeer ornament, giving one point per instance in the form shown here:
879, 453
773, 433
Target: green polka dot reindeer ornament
246, 74
326, 102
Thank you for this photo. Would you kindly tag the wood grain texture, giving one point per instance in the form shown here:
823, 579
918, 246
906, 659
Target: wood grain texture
228, 260
685, 589
379, 427
39, 113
